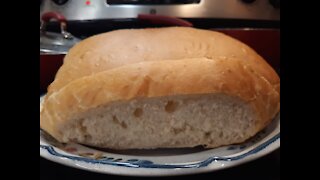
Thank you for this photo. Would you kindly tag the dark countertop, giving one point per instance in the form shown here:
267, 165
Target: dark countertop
267, 167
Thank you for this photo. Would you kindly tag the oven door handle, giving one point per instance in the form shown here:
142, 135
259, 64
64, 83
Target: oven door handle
164, 20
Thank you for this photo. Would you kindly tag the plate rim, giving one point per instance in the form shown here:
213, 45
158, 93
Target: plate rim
157, 171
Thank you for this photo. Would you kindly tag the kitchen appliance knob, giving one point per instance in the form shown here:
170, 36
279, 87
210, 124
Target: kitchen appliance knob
60, 2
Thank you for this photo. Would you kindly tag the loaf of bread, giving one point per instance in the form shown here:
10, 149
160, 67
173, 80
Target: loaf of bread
160, 88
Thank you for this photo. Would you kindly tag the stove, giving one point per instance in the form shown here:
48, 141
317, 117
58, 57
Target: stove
75, 10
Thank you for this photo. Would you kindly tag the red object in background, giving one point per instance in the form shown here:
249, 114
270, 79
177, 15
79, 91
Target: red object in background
266, 42
49, 65
46, 17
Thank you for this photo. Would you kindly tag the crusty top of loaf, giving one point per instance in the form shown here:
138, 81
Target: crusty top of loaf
121, 47
161, 78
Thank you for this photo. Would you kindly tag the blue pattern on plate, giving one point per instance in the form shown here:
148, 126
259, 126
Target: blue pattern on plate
136, 163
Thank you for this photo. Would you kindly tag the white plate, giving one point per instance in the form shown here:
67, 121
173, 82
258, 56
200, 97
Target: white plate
160, 162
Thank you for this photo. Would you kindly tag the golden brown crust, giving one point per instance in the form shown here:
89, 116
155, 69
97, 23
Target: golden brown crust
117, 48
230, 76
